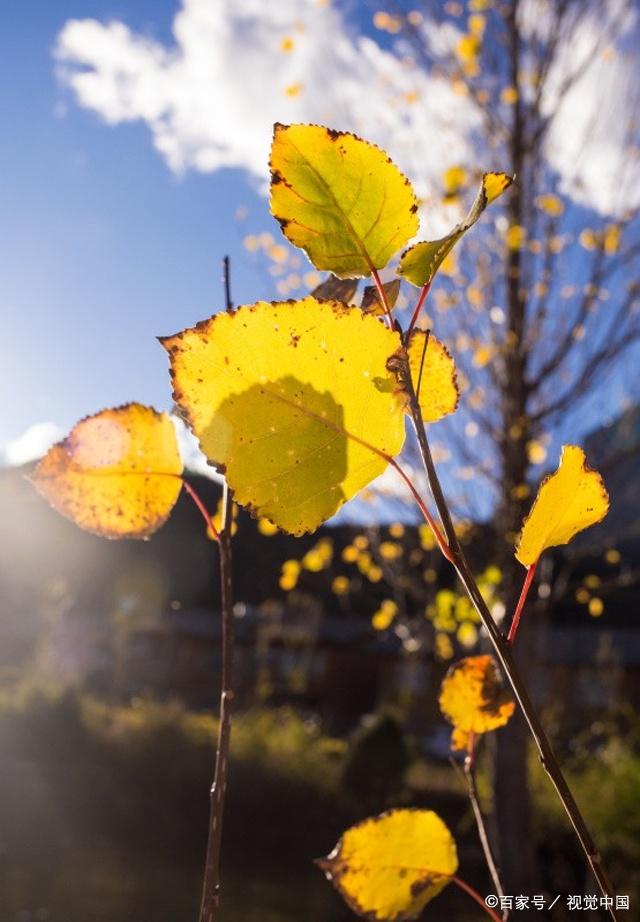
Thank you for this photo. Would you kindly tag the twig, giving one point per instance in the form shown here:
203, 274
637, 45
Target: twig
502, 648
211, 886
483, 835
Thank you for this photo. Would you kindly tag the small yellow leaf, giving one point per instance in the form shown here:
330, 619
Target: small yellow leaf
453, 180
567, 502
460, 740
340, 199
472, 697
389, 867
117, 473
420, 262
293, 90
551, 204
515, 236
340, 585
509, 95
611, 239
267, 528
437, 386
294, 401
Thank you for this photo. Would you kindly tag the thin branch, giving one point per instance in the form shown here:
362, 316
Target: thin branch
503, 650
211, 885
483, 835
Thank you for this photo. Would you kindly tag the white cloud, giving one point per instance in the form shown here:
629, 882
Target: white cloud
32, 444
211, 98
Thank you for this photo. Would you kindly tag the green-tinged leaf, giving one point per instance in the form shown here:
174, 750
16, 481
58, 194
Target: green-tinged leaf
389, 867
117, 473
420, 262
340, 199
293, 400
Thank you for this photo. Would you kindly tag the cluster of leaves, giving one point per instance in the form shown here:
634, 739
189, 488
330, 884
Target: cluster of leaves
301, 404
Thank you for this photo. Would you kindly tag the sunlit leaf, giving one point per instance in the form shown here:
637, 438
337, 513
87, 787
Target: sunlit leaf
420, 262
434, 379
340, 199
567, 502
294, 401
117, 473
371, 299
389, 867
472, 697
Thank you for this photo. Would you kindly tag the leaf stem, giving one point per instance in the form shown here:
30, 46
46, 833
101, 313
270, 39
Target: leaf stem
211, 886
459, 882
513, 629
442, 544
424, 291
503, 650
382, 295
201, 508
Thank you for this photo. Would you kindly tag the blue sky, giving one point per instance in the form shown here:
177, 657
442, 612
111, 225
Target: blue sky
103, 247
116, 213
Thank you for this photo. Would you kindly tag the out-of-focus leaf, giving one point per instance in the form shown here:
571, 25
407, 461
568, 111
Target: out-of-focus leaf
340, 199
473, 699
117, 473
389, 867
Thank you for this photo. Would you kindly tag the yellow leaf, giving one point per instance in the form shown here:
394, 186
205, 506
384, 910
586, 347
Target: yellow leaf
453, 180
515, 236
472, 697
389, 867
596, 607
509, 95
460, 740
553, 205
293, 90
420, 262
340, 199
567, 502
340, 585
611, 239
294, 401
267, 528
437, 387
117, 473
589, 239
